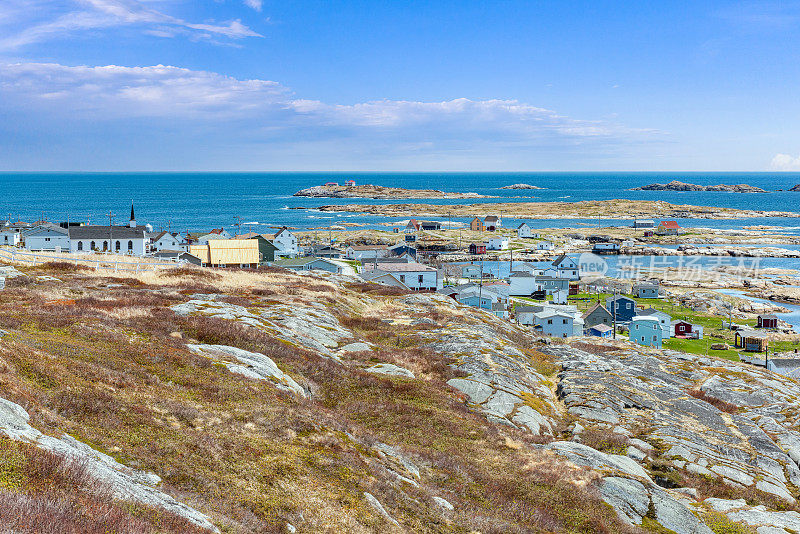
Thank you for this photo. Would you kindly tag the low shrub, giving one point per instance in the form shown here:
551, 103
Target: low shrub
719, 404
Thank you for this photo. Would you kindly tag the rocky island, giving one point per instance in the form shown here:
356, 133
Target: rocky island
521, 186
379, 192
618, 208
676, 185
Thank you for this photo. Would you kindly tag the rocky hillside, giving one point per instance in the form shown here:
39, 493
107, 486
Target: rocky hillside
196, 401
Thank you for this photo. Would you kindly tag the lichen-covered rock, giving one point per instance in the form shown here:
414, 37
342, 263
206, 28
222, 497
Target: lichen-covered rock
389, 369
751, 443
124, 483
310, 325
251, 364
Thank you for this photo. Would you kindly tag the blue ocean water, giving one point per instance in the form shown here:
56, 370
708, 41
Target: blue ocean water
197, 201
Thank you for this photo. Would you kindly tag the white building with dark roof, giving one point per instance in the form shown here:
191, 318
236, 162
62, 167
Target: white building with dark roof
131, 239
47, 236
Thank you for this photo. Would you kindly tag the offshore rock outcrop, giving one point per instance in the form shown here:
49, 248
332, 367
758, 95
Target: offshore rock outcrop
676, 185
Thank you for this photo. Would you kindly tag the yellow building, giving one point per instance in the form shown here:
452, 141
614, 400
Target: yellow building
227, 253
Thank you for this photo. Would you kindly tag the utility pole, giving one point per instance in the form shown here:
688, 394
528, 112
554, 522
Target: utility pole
238, 223
614, 306
110, 231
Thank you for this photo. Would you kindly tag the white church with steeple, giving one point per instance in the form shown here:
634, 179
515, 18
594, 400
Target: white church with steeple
131, 239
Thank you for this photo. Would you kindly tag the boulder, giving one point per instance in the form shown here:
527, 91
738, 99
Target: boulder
720, 346
389, 369
629, 498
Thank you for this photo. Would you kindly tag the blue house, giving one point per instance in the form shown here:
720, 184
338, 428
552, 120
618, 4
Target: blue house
485, 301
646, 330
623, 308
601, 330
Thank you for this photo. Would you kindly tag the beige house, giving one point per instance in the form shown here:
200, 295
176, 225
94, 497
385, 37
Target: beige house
227, 253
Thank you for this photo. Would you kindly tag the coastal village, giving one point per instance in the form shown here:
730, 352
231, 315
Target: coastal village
531, 277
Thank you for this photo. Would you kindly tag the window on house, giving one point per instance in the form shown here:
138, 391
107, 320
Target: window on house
563, 321
403, 278
627, 305
549, 321
117, 246
654, 338
92, 246
130, 245
419, 279
80, 245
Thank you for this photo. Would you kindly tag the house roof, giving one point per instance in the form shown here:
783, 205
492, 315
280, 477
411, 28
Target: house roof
217, 231
653, 311
293, 262
601, 328
405, 267
49, 227
369, 247
646, 318
279, 232
521, 274
594, 308
769, 316
491, 218
670, 224
528, 309
107, 232
523, 224
559, 260
619, 297
173, 254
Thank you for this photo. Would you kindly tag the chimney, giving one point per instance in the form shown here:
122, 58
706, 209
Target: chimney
132, 223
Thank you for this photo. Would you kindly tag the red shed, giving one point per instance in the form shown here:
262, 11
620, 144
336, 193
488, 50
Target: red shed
682, 328
767, 321
477, 248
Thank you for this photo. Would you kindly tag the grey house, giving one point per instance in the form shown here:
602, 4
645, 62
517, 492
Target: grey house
646, 290
597, 314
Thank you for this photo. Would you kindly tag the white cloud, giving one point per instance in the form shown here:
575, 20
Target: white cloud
255, 4
167, 91
785, 162
104, 14
252, 118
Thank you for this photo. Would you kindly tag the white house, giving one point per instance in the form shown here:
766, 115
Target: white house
365, 253
497, 243
286, 244
646, 330
522, 283
545, 245
567, 268
524, 231
47, 236
414, 276
164, 241
309, 263
556, 323
216, 233
9, 237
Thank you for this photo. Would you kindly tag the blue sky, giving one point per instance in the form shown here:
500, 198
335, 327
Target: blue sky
303, 85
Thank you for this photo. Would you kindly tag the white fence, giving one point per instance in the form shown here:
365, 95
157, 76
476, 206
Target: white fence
111, 262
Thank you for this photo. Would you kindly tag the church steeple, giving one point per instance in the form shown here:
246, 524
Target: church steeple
132, 223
